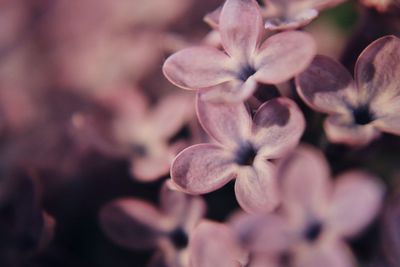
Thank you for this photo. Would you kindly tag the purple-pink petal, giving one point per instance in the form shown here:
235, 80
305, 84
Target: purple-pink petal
356, 200
241, 27
203, 168
198, 67
256, 187
284, 55
377, 69
278, 126
326, 86
227, 123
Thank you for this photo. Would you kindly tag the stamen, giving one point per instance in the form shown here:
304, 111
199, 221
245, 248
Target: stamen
139, 150
245, 155
313, 231
179, 238
362, 115
246, 72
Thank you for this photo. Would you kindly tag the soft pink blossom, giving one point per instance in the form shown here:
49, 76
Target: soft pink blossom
138, 225
317, 215
358, 110
232, 75
242, 150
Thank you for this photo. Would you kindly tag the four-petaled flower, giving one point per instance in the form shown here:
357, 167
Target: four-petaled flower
232, 76
316, 216
243, 150
136, 224
358, 110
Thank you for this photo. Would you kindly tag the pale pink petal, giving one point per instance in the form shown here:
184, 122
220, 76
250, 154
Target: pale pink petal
356, 200
284, 55
132, 223
304, 177
389, 119
212, 18
187, 210
296, 20
198, 67
341, 129
377, 69
241, 28
328, 254
228, 123
171, 114
256, 187
326, 85
214, 245
262, 233
203, 168
234, 91
150, 168
278, 126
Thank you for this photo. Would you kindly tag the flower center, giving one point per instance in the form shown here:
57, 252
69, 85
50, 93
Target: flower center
139, 150
285, 259
313, 231
362, 115
179, 238
245, 155
245, 72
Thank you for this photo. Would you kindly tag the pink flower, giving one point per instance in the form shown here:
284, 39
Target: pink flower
358, 111
243, 149
215, 245
233, 75
317, 215
282, 14
138, 225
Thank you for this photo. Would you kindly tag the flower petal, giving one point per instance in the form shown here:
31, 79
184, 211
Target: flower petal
132, 223
202, 168
234, 91
296, 20
326, 85
197, 67
341, 129
256, 188
305, 166
214, 245
150, 168
171, 114
228, 123
377, 69
278, 126
356, 200
332, 253
212, 18
284, 55
241, 28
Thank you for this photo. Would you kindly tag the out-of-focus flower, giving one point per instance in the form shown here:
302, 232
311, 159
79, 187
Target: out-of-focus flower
316, 216
215, 245
233, 75
138, 225
358, 111
282, 14
143, 132
380, 5
243, 150
25, 228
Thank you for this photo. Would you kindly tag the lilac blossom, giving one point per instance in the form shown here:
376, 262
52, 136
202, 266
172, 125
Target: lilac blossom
242, 150
138, 225
282, 14
215, 245
232, 75
143, 132
317, 215
357, 110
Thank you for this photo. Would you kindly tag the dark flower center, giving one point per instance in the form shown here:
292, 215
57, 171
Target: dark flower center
362, 115
260, 2
313, 231
285, 259
179, 238
246, 72
245, 155
139, 150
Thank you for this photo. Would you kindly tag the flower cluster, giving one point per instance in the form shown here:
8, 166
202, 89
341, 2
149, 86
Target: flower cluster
273, 155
